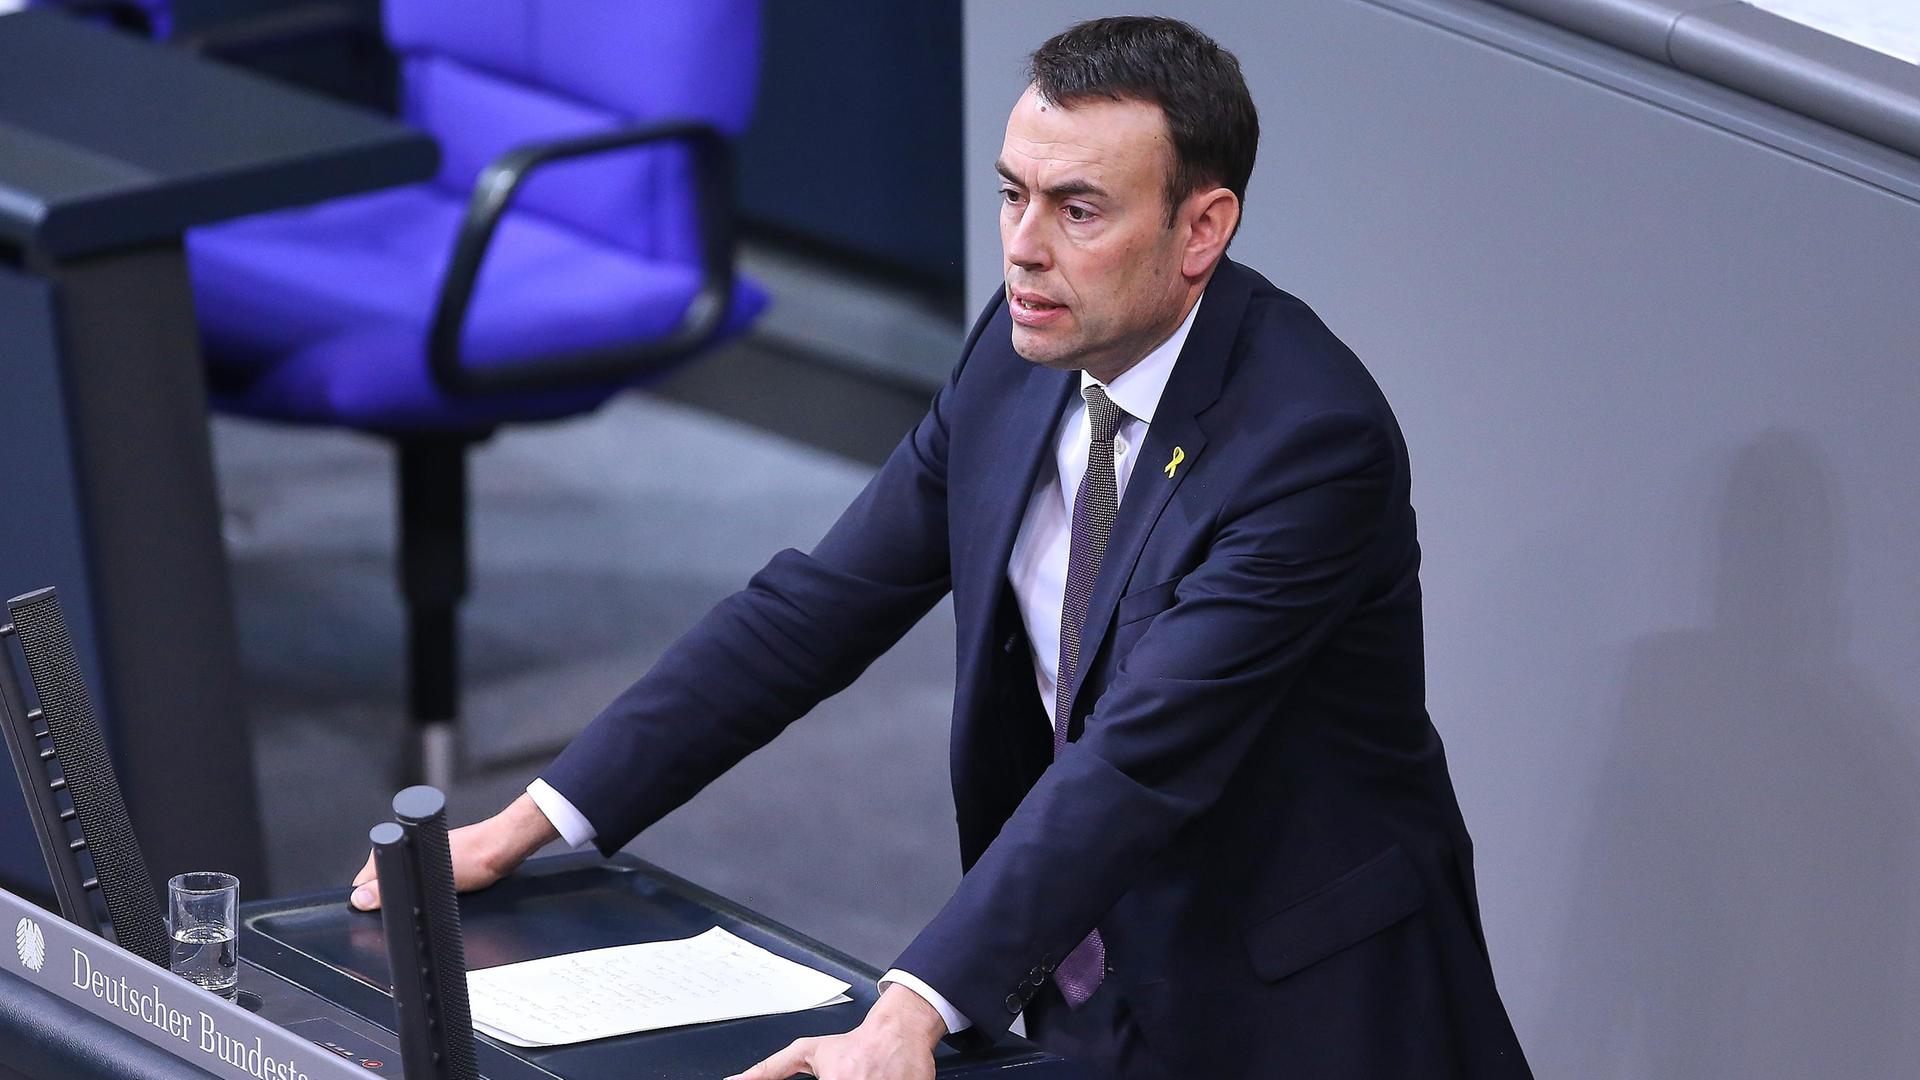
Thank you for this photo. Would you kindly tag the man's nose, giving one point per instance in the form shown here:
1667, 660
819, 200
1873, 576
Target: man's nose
1022, 240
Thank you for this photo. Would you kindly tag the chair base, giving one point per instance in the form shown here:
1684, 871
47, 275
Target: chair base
434, 574
434, 571
437, 754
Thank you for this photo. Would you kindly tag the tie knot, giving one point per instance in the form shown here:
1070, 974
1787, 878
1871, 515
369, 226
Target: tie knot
1102, 413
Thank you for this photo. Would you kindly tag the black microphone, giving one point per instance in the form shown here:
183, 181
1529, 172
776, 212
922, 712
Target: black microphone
96, 822
421, 916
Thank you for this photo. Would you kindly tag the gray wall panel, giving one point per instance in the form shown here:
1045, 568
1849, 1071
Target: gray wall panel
1658, 381
1642, 26
1757, 52
1803, 69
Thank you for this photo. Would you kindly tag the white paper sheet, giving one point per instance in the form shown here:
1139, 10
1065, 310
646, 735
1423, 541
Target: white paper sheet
660, 984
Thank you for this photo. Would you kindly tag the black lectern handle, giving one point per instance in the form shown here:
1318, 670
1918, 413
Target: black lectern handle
424, 949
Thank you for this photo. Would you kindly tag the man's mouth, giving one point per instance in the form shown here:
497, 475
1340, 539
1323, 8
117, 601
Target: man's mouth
1029, 309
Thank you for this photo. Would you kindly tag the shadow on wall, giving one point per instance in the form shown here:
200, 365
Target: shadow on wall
1745, 903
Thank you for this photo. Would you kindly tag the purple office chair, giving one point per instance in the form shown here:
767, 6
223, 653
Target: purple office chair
577, 240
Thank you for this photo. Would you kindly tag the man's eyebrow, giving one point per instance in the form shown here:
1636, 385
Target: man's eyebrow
1065, 189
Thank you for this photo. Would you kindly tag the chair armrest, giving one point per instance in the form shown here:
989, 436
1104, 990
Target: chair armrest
713, 179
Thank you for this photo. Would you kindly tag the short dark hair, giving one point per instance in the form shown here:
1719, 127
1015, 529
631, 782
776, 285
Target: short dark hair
1165, 62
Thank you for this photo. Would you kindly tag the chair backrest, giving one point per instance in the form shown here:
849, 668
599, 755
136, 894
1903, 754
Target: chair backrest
485, 76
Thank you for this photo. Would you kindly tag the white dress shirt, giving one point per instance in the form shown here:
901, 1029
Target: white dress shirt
1037, 569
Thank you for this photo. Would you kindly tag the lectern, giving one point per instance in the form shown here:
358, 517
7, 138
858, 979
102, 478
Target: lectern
315, 975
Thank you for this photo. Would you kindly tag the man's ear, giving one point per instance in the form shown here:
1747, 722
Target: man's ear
1212, 217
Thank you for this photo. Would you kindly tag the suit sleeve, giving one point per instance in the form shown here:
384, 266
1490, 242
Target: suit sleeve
1287, 564
804, 628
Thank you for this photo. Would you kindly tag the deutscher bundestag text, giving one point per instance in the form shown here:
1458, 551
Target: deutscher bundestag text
198, 1028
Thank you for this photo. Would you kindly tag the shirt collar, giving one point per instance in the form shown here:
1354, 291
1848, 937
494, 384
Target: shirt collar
1137, 390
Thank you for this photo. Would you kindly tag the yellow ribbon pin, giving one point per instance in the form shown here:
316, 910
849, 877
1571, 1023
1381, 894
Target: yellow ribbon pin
1179, 456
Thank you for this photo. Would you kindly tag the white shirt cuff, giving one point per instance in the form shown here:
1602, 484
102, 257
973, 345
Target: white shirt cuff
954, 1020
572, 825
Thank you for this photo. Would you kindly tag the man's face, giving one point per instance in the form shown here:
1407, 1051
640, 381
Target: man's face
1093, 273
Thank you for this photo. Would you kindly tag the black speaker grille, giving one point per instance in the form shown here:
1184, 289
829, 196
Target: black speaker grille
448, 948
132, 905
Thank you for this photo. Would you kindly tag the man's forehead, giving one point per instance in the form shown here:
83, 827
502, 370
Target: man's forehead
1098, 134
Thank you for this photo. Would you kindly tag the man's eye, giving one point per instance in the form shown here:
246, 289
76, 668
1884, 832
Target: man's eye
1078, 213
1009, 195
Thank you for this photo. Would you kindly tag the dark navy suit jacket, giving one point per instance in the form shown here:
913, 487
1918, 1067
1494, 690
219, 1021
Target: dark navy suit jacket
1254, 808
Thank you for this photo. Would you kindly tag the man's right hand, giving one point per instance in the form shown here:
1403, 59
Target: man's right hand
483, 852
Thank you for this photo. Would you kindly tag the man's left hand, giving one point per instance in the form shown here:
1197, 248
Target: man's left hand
894, 1042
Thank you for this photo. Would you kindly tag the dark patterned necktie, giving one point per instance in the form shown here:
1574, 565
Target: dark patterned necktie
1094, 508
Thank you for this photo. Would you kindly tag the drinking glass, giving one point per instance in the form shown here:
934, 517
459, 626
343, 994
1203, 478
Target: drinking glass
206, 947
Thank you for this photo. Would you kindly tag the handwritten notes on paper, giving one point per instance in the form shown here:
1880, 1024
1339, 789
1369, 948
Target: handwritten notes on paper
628, 988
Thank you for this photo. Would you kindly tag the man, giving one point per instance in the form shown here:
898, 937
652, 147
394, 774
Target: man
1206, 824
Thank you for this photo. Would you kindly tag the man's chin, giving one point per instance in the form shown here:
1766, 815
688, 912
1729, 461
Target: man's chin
1042, 347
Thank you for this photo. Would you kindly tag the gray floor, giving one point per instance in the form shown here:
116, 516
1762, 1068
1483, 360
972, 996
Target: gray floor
596, 542
864, 322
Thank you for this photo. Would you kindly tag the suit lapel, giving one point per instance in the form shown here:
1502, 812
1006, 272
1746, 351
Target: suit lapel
1024, 441
1176, 432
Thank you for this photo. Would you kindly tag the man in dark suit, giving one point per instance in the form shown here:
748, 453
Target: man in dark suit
1206, 824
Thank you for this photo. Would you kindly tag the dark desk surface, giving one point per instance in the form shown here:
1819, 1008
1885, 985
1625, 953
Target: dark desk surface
577, 902
108, 140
